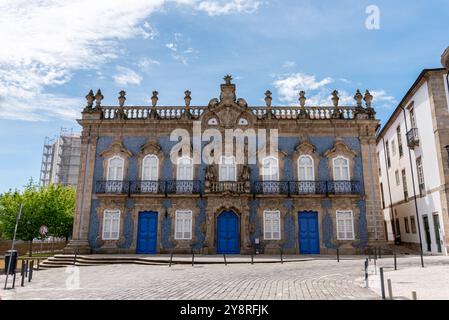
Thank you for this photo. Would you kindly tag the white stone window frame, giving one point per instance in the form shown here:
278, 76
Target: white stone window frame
397, 178
109, 168
334, 167
268, 226
180, 165
181, 222
224, 165
265, 176
108, 234
312, 166
148, 156
348, 235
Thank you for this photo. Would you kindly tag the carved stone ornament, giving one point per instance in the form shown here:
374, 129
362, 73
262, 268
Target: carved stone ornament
98, 98
90, 100
154, 98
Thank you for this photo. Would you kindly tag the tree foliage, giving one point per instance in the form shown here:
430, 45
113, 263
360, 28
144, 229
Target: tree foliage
52, 206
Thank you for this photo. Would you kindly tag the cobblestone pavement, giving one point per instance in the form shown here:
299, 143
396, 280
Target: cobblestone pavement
314, 279
294, 280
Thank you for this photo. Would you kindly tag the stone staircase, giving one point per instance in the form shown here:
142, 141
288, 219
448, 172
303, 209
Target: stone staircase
64, 260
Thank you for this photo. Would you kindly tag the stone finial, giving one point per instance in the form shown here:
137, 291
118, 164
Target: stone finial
335, 98
154, 98
121, 98
228, 79
187, 98
90, 99
268, 98
358, 98
302, 98
368, 99
98, 98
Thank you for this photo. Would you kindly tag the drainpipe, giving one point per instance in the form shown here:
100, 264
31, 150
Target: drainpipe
389, 192
414, 191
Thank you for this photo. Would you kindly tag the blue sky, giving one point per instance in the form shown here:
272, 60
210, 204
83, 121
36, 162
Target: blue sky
53, 52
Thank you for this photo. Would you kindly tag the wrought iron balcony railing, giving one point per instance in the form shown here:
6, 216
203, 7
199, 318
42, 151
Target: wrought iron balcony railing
412, 138
232, 186
307, 187
149, 187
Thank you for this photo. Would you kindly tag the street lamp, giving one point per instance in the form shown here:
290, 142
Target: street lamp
414, 191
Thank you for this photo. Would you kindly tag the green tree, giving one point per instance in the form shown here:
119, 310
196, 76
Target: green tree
52, 206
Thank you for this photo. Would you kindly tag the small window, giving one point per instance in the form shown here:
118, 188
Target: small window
111, 224
270, 170
387, 148
183, 225
150, 168
345, 225
378, 161
413, 224
341, 169
393, 147
398, 180
419, 167
398, 134
185, 169
228, 171
272, 225
404, 184
115, 168
212, 122
243, 122
407, 226
305, 169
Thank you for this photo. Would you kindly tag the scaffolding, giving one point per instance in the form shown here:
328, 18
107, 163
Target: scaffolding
47, 160
61, 159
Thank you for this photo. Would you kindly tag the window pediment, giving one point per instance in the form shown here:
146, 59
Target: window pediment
340, 148
116, 148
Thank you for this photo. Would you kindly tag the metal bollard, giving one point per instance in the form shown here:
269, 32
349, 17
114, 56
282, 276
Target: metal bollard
375, 253
366, 273
395, 262
38, 263
14, 280
338, 255
390, 289
30, 276
26, 269
252, 258
193, 258
414, 297
224, 257
171, 258
382, 285
282, 257
22, 269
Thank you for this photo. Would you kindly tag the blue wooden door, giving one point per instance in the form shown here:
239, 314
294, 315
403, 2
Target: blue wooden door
147, 232
228, 233
309, 241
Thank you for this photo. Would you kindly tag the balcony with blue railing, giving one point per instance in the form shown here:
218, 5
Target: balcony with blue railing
163, 187
306, 187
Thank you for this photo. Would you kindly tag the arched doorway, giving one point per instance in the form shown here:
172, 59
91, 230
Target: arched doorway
228, 233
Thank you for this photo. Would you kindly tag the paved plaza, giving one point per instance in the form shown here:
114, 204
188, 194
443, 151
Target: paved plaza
310, 279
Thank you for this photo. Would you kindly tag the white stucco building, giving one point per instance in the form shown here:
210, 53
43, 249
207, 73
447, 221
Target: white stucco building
412, 150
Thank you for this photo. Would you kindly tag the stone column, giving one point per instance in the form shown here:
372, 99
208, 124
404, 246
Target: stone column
84, 190
375, 225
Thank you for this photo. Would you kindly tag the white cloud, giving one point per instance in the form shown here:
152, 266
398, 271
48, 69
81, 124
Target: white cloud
171, 46
47, 41
318, 92
146, 63
289, 64
126, 76
289, 85
216, 8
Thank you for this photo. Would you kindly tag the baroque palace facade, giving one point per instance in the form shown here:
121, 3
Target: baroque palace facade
319, 192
